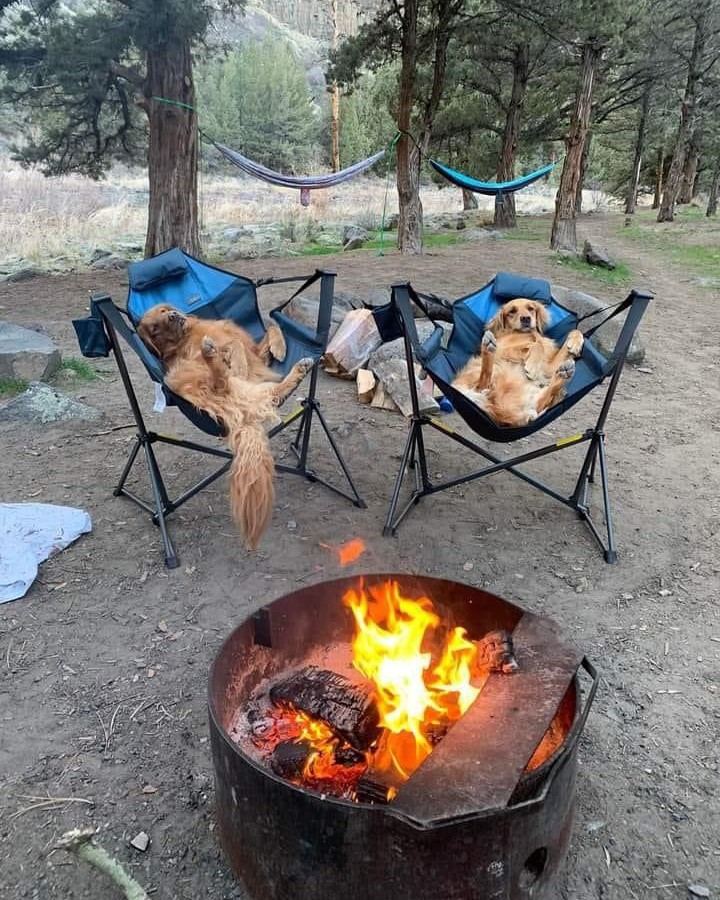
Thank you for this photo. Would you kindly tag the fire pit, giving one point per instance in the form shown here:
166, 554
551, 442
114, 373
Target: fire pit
326, 786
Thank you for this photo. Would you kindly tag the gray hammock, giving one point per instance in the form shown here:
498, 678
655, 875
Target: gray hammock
304, 183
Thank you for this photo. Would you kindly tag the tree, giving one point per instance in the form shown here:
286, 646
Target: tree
417, 31
83, 74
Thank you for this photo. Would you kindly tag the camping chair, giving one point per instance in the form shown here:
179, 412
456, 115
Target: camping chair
195, 287
469, 316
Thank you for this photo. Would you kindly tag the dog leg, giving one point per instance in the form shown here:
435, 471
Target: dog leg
552, 394
280, 392
272, 346
487, 357
217, 364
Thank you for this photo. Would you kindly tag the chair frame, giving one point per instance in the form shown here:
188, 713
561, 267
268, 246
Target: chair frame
414, 455
161, 505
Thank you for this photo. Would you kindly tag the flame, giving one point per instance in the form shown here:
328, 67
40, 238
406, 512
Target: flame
417, 687
349, 551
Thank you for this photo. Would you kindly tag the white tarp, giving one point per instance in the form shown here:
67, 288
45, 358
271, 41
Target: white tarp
29, 533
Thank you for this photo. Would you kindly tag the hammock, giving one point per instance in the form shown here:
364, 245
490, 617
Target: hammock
490, 188
305, 183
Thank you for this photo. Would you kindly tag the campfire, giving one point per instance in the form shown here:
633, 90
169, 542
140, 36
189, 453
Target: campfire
360, 734
372, 733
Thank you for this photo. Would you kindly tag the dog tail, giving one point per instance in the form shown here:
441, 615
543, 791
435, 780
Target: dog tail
252, 489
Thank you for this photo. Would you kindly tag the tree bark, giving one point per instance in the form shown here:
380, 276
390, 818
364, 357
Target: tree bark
714, 190
689, 180
335, 99
505, 209
564, 236
666, 212
469, 199
172, 151
631, 197
659, 177
583, 172
410, 216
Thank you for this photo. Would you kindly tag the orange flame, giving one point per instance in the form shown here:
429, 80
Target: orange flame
416, 687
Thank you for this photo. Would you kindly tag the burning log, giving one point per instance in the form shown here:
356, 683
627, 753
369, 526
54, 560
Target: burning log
347, 707
376, 787
289, 758
495, 653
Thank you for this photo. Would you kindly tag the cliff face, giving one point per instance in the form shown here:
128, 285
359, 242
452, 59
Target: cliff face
315, 17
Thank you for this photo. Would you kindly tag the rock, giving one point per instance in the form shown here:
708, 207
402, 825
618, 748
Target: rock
25, 274
111, 261
392, 222
26, 354
234, 234
98, 253
42, 404
305, 310
606, 336
354, 233
353, 244
376, 297
705, 281
597, 256
698, 890
141, 841
396, 349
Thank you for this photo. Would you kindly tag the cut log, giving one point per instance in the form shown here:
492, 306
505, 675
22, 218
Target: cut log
381, 400
365, 385
352, 344
377, 787
347, 707
394, 376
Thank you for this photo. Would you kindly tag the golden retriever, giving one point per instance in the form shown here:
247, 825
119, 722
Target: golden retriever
215, 365
519, 373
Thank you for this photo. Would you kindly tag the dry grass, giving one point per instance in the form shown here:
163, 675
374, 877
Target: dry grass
66, 218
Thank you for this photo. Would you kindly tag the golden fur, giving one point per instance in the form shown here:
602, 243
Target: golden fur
519, 373
216, 366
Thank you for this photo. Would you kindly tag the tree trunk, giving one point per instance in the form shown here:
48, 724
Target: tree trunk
692, 158
408, 159
666, 212
563, 236
659, 177
335, 99
172, 151
631, 197
714, 190
469, 199
505, 208
583, 173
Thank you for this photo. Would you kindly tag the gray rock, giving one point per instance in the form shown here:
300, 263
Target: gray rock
354, 233
606, 336
25, 274
111, 261
705, 281
353, 244
392, 222
26, 354
98, 253
396, 349
234, 234
597, 256
305, 310
42, 404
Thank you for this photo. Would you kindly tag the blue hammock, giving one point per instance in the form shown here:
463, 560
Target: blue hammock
490, 188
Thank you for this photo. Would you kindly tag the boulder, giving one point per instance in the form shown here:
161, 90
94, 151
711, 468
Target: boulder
110, 261
304, 309
396, 349
354, 233
26, 354
25, 274
597, 256
353, 244
234, 234
42, 404
606, 336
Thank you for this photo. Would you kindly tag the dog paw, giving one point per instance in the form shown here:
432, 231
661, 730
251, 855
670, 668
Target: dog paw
304, 366
207, 346
276, 343
489, 342
574, 343
566, 370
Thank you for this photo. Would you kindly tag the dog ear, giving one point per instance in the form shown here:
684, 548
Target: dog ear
542, 317
497, 323
149, 343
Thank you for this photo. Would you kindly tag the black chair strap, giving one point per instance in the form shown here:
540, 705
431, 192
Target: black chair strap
616, 308
119, 320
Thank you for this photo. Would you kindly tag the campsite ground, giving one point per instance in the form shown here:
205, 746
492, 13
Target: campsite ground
104, 664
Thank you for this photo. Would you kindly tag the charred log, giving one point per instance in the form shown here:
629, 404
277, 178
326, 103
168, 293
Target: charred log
289, 758
347, 707
495, 653
376, 787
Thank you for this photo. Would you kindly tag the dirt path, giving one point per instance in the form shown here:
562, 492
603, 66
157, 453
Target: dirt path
108, 635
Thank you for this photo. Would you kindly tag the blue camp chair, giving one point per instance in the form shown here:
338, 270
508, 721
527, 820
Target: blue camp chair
469, 316
202, 290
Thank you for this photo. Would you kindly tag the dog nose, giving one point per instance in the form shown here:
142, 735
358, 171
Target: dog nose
175, 316
525, 320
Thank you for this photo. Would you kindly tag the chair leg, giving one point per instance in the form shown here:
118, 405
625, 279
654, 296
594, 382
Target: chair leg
413, 457
161, 504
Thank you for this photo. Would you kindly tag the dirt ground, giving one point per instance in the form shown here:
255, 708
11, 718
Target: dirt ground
104, 664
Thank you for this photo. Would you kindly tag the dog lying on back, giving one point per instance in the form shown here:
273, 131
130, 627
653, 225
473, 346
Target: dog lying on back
215, 365
519, 373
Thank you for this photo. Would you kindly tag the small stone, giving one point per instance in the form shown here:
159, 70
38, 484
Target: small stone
468, 566
149, 789
291, 525
162, 626
140, 842
698, 890
644, 370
